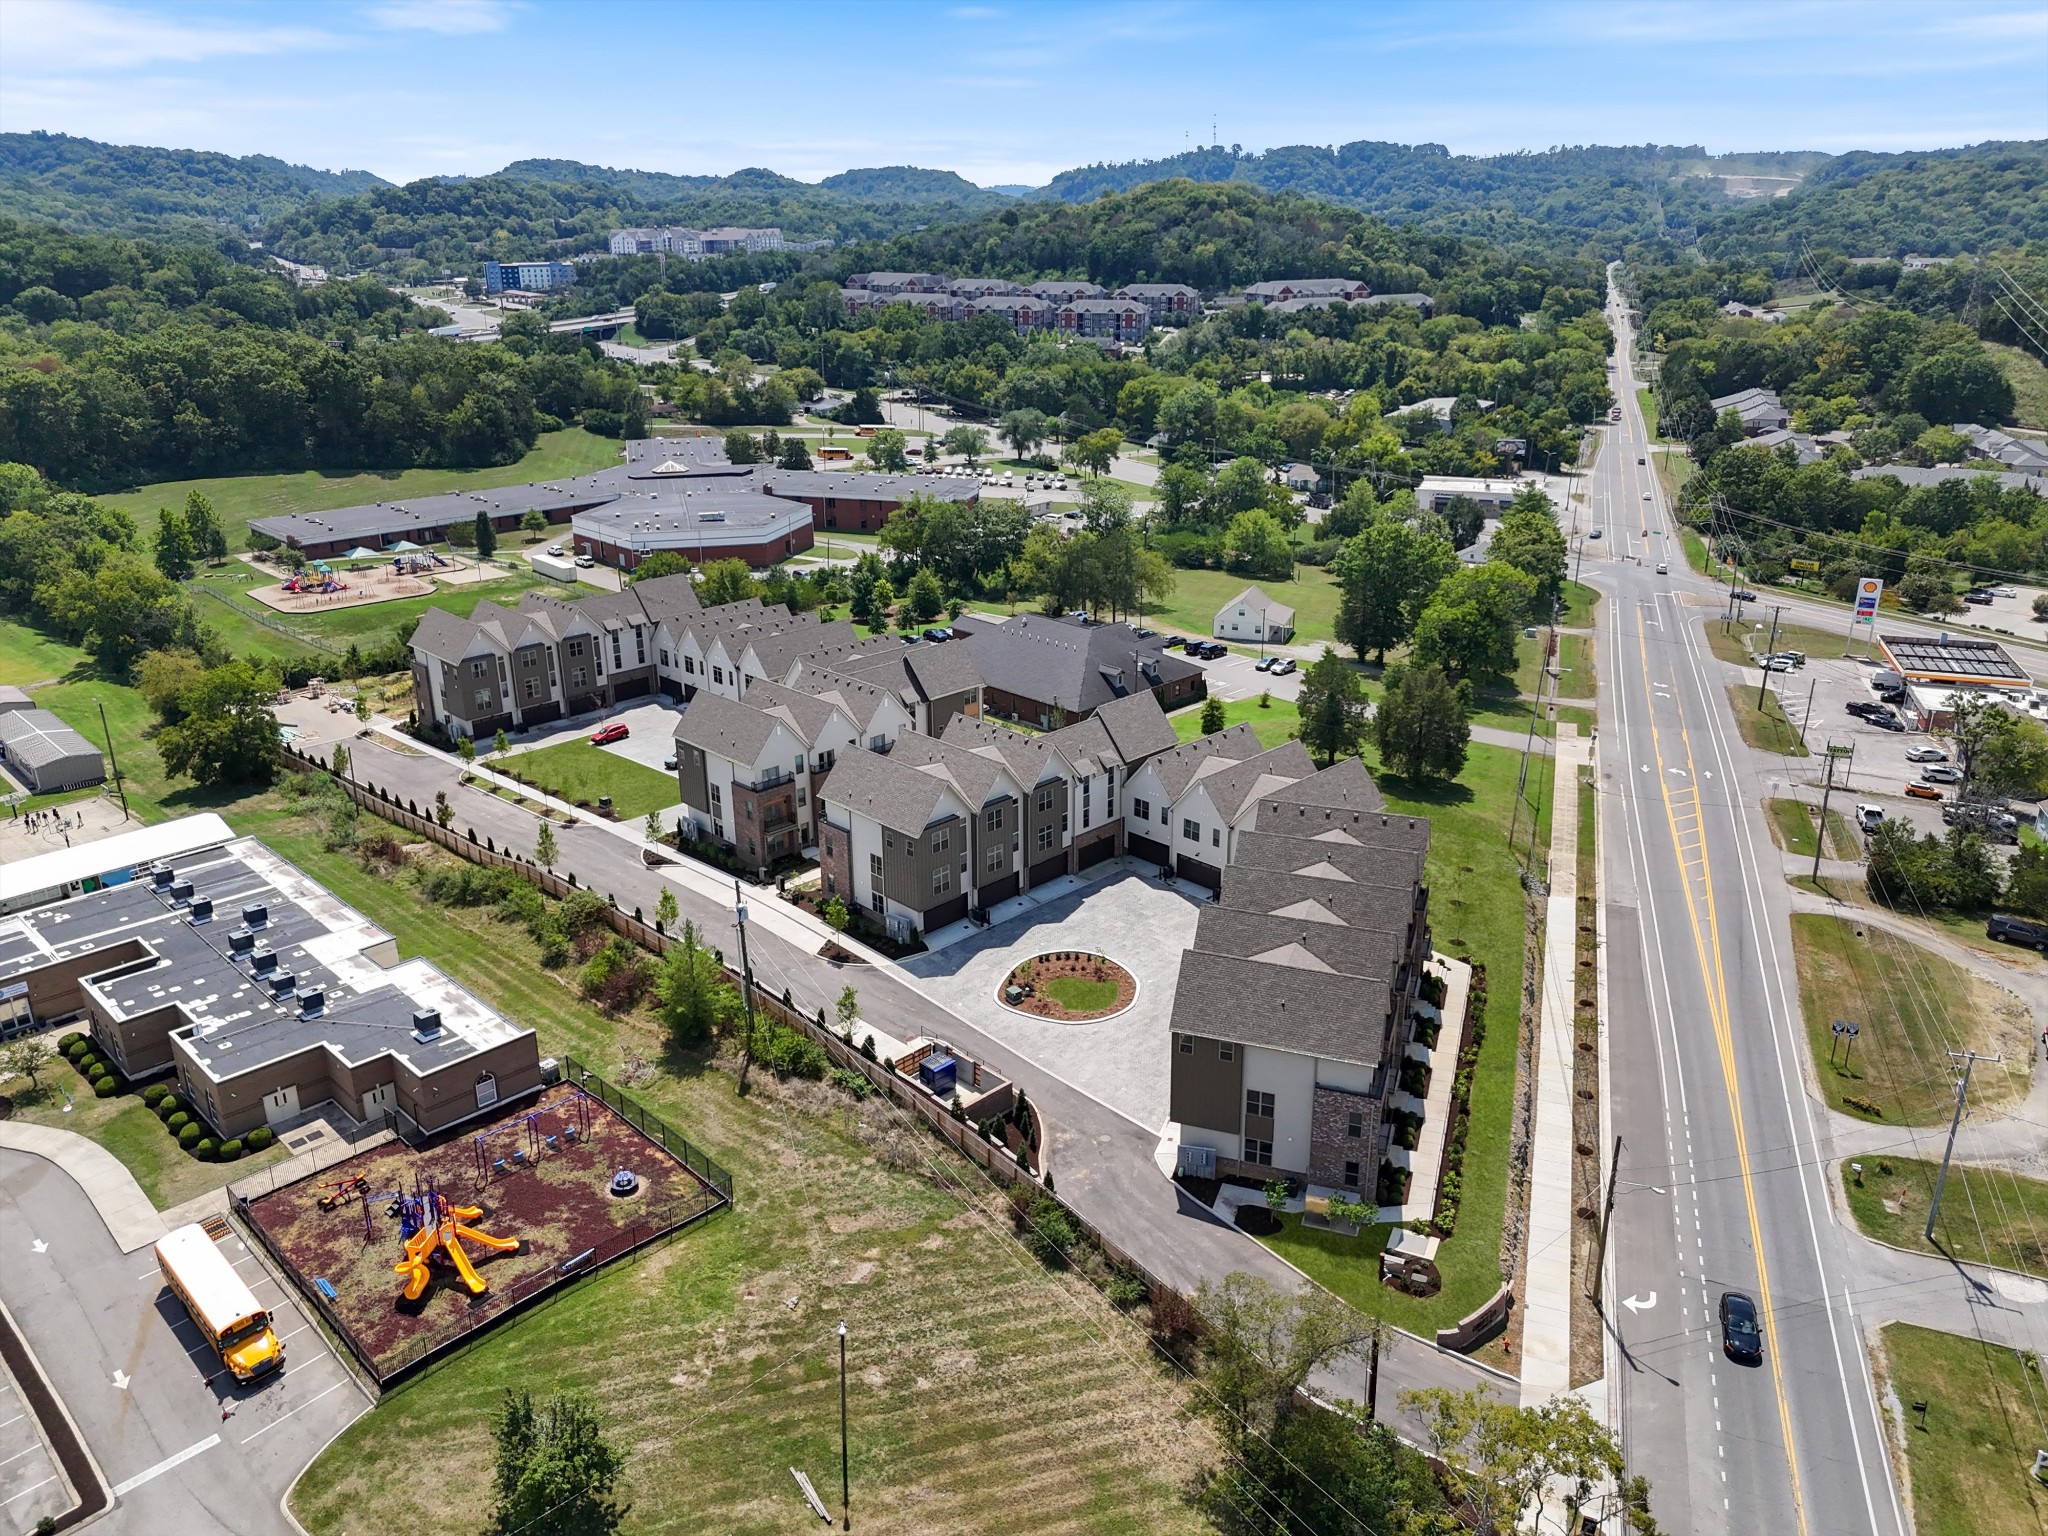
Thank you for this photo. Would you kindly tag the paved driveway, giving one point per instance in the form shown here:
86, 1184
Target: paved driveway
1139, 923
182, 1454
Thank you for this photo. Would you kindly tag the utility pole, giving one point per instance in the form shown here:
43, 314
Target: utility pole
1820, 833
739, 915
112, 761
1969, 1059
1770, 649
1809, 710
845, 1496
1606, 1217
1372, 1380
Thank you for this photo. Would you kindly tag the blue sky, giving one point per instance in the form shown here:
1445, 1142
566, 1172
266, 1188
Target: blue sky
1007, 93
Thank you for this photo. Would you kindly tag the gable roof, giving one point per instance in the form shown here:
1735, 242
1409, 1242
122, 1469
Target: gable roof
1137, 726
1254, 599
1390, 908
727, 728
1177, 766
1344, 787
861, 699
1077, 667
1390, 863
1369, 952
1232, 786
973, 777
1298, 1009
880, 787
806, 714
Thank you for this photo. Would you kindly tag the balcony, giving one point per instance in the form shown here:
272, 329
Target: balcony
774, 778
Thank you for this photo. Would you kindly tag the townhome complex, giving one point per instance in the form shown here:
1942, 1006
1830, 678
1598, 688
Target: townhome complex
674, 240
1047, 671
1297, 998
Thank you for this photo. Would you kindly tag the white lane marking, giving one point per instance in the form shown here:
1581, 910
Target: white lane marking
121, 1380
34, 1446
39, 1246
165, 1465
309, 1402
31, 1488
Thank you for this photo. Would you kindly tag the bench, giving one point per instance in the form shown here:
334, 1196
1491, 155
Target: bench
326, 1289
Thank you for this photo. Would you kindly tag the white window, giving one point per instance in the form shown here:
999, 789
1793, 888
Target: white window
1225, 1051
1045, 836
1260, 1152
574, 648
480, 667
532, 690
994, 859
576, 676
717, 796
942, 839
1044, 798
718, 675
875, 868
1142, 809
1215, 837
483, 698
994, 818
942, 880
664, 657
1186, 1044
1189, 830
1258, 1105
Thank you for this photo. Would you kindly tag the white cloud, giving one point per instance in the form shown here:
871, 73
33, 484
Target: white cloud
450, 18
77, 37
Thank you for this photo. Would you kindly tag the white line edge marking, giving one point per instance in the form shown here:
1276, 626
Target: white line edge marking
309, 1402
165, 1465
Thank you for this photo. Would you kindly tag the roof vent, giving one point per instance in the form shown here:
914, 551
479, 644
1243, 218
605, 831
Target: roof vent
241, 942
262, 960
283, 982
161, 879
312, 1001
255, 915
426, 1024
202, 910
181, 890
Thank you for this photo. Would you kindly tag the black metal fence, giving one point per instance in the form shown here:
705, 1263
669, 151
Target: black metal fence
710, 1190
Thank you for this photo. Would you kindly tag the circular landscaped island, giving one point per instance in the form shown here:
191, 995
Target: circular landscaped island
1069, 986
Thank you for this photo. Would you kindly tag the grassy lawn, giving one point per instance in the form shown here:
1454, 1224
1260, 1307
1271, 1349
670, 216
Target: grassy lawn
1764, 728
1574, 663
1914, 1006
578, 772
77, 702
1648, 401
27, 656
248, 628
1792, 824
1969, 1467
1081, 994
2029, 383
238, 498
1197, 595
1988, 1216
1033, 1408
1744, 640
1482, 921
126, 1127
1276, 723
1579, 602
1674, 469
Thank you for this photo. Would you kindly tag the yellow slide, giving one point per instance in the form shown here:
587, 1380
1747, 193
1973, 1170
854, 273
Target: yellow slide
449, 1234
414, 1264
449, 1242
484, 1239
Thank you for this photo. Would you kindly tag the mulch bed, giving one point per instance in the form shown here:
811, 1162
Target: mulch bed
1051, 967
557, 1209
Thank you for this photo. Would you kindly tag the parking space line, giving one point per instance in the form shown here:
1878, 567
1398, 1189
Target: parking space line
15, 1420
149, 1473
294, 1333
33, 1445
309, 1402
31, 1488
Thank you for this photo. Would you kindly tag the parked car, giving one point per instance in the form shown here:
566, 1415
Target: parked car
605, 735
1888, 722
1663, 569
1742, 1338
1923, 791
1940, 773
1869, 816
669, 762
554, 549
1211, 649
2017, 930
1978, 599
1266, 663
938, 634
1926, 755
1775, 664
1594, 534
1869, 709
586, 561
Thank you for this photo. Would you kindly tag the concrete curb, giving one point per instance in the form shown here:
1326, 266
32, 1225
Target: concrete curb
131, 1218
60, 1435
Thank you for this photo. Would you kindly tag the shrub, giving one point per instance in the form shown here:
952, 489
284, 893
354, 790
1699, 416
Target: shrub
205, 1149
230, 1150
177, 1122
853, 1082
155, 1093
75, 1046
1125, 1290
190, 1135
791, 1054
85, 1062
1048, 1231
167, 1106
104, 1088
100, 1072
66, 1041
260, 1138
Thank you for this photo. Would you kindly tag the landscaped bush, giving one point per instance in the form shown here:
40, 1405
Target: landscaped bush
167, 1106
104, 1088
855, 1083
260, 1138
101, 1073
177, 1122
155, 1093
230, 1150
205, 1149
788, 1053
1047, 1231
68, 1039
190, 1134
74, 1046
1126, 1290
85, 1062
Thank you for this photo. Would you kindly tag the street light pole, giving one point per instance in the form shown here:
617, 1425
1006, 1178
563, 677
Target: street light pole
845, 1495
739, 914
1969, 1059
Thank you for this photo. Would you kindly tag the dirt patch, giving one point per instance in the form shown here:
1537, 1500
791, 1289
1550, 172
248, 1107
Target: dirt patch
559, 1207
1068, 985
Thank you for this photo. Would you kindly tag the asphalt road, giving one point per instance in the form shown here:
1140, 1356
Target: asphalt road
183, 1454
1721, 1183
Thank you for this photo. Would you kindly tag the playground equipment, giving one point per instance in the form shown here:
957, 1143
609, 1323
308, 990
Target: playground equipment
326, 581
341, 1191
442, 1230
625, 1181
534, 1140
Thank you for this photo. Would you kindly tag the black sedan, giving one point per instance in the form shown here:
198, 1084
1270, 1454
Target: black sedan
1741, 1336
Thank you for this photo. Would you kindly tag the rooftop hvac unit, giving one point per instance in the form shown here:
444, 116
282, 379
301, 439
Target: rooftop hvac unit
710, 517
283, 982
202, 909
263, 961
255, 915
181, 890
241, 942
161, 879
312, 1001
426, 1024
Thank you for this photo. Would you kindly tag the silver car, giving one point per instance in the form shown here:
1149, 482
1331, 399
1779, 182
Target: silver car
1926, 755
1940, 773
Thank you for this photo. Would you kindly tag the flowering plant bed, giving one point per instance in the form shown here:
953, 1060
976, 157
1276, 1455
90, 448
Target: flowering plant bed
1068, 985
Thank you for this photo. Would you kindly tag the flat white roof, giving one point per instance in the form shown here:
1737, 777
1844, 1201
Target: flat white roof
122, 851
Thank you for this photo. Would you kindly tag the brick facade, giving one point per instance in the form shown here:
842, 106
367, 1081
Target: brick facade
1331, 1144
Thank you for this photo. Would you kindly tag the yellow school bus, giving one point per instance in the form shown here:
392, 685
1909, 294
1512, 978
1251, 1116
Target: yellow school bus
236, 1325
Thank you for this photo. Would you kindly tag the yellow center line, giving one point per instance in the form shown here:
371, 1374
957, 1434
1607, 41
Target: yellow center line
1707, 944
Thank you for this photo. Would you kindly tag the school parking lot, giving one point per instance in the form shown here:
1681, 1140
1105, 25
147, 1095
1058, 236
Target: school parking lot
182, 1449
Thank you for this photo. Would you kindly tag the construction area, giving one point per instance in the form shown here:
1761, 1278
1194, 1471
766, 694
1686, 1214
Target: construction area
405, 1249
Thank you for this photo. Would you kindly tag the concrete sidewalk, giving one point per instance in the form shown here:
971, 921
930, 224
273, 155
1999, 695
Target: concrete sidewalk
1547, 1294
130, 1217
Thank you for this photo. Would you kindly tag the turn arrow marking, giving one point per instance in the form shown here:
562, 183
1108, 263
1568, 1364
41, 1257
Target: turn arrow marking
39, 1246
120, 1381
1638, 1303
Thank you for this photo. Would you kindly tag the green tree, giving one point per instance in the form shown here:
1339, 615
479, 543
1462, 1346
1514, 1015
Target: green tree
173, 544
486, 536
882, 599
444, 813
795, 454
848, 1011
1097, 451
27, 1057
227, 733
1333, 708
534, 523
663, 562
1528, 539
740, 447
1256, 544
887, 450
1998, 752
556, 1474
337, 762
1320, 1472
666, 909
1213, 716
1263, 1344
2026, 881
926, 599
500, 742
726, 581
545, 850
202, 527
1385, 577
1023, 430
1471, 623
968, 443
696, 997
1499, 1459
835, 914
1421, 725
465, 748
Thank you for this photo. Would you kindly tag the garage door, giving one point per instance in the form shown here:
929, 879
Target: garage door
638, 688
997, 890
1048, 869
1088, 857
945, 912
1205, 875
1146, 848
